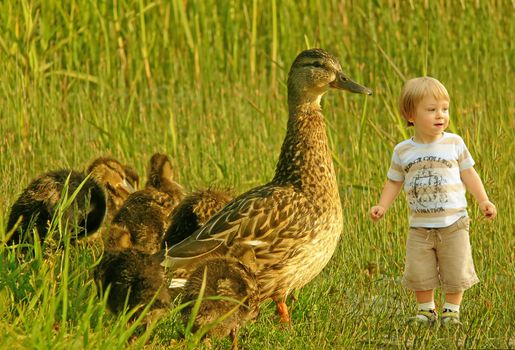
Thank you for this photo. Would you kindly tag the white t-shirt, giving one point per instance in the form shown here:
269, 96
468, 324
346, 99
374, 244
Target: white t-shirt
432, 182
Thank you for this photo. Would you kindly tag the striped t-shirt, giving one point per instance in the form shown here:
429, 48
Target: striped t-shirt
432, 182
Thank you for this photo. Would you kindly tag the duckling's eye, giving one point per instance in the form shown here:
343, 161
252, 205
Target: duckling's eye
317, 64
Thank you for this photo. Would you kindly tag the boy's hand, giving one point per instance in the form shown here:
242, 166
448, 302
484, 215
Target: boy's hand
377, 212
489, 210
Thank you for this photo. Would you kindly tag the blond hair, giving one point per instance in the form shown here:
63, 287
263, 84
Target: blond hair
415, 90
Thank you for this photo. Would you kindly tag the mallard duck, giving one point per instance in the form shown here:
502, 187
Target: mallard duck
39, 202
227, 283
193, 212
141, 221
286, 230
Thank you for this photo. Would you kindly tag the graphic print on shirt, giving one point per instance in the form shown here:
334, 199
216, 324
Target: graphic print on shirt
427, 186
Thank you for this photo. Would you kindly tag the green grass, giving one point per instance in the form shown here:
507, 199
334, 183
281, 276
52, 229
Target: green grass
204, 81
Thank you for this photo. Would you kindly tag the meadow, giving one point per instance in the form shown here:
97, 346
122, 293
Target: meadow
204, 82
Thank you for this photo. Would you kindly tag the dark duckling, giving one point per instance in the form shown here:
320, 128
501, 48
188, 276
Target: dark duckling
101, 194
193, 212
232, 281
141, 221
136, 232
135, 276
39, 202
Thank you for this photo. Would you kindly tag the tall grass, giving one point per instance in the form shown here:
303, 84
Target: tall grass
204, 81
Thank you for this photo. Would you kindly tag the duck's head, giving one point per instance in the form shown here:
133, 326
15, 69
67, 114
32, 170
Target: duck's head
314, 72
161, 175
113, 176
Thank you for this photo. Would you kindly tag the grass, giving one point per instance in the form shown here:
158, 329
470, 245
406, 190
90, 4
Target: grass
204, 81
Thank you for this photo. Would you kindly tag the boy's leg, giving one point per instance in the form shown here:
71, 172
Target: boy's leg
456, 268
426, 307
451, 308
421, 273
454, 298
425, 296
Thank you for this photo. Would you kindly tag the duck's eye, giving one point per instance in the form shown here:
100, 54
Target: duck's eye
317, 64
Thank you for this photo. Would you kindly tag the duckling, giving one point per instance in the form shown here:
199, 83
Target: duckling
141, 221
129, 265
116, 178
99, 197
39, 202
234, 283
193, 212
286, 231
135, 276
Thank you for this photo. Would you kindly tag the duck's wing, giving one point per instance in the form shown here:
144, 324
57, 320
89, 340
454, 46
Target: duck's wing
258, 218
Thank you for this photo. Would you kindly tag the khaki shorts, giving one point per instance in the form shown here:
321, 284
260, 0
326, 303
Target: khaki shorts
439, 257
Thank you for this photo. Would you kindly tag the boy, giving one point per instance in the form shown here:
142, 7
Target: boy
435, 167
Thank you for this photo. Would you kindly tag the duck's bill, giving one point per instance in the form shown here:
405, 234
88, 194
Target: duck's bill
343, 82
126, 187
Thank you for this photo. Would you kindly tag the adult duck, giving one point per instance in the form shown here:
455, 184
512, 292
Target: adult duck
286, 230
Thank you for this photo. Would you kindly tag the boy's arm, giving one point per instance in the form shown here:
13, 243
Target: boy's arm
391, 190
475, 186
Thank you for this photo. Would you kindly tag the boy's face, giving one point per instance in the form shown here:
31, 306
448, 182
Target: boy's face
431, 118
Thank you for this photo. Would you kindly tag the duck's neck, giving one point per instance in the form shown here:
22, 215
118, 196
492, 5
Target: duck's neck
305, 160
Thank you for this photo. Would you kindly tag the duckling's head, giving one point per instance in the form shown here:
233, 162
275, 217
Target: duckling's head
132, 176
161, 176
315, 71
112, 175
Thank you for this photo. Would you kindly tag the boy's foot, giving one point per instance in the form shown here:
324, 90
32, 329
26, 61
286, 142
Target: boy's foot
450, 318
428, 317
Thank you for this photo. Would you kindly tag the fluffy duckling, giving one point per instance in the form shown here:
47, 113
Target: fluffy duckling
286, 230
135, 276
141, 221
193, 212
39, 202
102, 194
235, 284
117, 179
136, 232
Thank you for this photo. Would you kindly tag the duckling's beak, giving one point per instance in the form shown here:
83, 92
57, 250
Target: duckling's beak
343, 82
126, 187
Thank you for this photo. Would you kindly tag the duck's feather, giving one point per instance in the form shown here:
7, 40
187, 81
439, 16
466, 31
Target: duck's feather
263, 218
